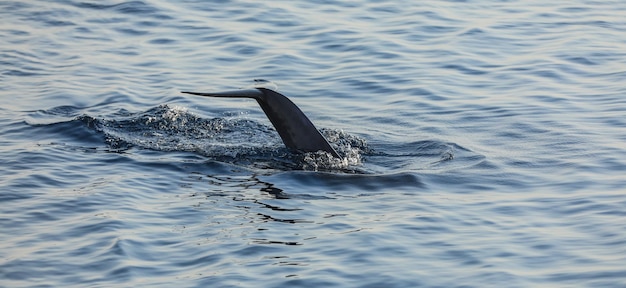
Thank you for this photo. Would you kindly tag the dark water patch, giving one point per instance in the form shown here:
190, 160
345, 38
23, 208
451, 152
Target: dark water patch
294, 183
133, 32
464, 69
248, 50
53, 17
78, 130
20, 73
132, 7
162, 41
580, 60
472, 32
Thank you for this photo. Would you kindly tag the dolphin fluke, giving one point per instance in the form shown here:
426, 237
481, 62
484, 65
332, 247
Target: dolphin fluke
294, 128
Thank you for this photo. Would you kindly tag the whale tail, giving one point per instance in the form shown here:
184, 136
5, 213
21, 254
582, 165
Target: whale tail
295, 129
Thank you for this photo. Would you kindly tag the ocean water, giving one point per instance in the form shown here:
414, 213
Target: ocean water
483, 144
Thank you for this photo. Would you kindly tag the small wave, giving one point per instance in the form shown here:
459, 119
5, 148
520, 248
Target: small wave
244, 142
238, 141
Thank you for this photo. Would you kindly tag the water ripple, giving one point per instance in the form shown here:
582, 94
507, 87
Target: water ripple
486, 140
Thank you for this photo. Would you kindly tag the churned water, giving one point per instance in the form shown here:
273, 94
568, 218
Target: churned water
484, 144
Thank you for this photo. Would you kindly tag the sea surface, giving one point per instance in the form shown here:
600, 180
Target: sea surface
483, 144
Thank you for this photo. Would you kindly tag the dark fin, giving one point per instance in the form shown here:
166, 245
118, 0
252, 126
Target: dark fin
295, 129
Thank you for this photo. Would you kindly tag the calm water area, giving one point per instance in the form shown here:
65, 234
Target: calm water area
483, 144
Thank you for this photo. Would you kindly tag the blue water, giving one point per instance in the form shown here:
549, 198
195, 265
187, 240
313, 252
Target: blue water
484, 144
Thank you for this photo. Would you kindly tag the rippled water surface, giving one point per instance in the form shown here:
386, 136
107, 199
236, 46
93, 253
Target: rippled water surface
483, 144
